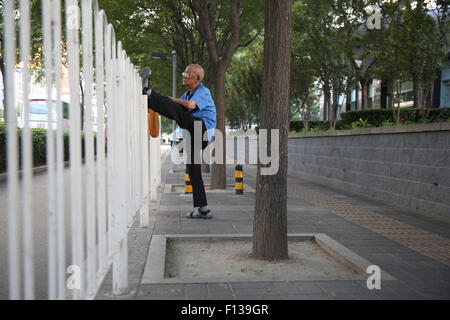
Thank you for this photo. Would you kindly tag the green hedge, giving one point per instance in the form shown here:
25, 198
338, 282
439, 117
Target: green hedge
298, 125
39, 146
376, 117
439, 114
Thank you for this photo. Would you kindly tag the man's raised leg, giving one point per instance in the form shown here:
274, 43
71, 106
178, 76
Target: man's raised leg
170, 109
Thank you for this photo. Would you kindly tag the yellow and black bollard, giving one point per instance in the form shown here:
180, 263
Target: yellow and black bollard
187, 184
239, 186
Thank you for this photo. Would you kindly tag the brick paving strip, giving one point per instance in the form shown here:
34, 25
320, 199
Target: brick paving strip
426, 243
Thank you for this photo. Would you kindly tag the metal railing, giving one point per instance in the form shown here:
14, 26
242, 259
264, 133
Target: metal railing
108, 190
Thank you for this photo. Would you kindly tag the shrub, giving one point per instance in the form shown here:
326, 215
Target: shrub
39, 147
341, 125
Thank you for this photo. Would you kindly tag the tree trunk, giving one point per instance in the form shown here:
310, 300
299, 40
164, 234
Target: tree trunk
307, 113
430, 93
270, 222
418, 93
364, 93
327, 97
399, 85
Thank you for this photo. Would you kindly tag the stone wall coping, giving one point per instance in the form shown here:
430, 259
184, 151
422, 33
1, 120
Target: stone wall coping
437, 126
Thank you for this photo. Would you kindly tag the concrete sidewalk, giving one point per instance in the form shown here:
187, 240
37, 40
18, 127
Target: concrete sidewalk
412, 247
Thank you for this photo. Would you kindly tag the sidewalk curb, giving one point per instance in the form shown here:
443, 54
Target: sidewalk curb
4, 176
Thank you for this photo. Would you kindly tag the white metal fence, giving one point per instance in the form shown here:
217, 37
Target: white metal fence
107, 191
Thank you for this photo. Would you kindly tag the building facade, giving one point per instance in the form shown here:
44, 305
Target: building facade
383, 94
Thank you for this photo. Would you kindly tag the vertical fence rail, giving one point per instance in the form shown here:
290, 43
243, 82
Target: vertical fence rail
127, 105
60, 201
108, 187
110, 54
144, 134
73, 45
120, 183
12, 149
47, 19
88, 63
27, 155
101, 165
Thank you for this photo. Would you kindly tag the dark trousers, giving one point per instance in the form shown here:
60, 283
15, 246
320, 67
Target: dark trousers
185, 119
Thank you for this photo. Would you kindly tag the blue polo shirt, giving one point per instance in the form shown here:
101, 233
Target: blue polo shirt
205, 109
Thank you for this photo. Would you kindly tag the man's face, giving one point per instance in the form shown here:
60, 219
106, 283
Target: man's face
190, 78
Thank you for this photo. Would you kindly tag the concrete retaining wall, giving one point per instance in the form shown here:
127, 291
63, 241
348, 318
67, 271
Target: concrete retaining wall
408, 166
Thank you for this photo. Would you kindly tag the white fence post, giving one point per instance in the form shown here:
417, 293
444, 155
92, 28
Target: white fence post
60, 201
87, 30
110, 54
158, 155
27, 155
100, 28
120, 264
12, 149
51, 166
153, 168
145, 160
73, 45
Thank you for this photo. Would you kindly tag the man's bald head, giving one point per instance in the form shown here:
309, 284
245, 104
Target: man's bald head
197, 69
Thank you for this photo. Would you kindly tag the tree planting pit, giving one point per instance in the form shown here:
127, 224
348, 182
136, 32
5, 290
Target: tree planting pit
227, 258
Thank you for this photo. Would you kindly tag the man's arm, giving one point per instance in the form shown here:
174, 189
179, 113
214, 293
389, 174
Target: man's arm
188, 104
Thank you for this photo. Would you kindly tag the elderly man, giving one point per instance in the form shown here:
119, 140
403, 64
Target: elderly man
196, 104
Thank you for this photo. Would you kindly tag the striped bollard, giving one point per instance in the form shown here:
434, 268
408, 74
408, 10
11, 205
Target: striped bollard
187, 184
239, 185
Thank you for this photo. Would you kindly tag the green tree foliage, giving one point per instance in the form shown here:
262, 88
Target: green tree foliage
302, 83
357, 40
243, 87
166, 125
413, 43
145, 27
320, 45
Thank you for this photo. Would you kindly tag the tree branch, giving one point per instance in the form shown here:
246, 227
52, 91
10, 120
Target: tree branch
206, 29
243, 45
235, 12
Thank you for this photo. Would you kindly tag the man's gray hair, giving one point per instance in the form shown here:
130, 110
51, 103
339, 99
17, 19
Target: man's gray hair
198, 69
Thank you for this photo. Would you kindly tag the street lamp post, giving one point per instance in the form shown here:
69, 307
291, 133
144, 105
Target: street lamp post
163, 57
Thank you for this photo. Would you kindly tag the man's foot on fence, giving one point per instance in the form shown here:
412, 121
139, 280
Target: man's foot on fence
145, 76
199, 214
